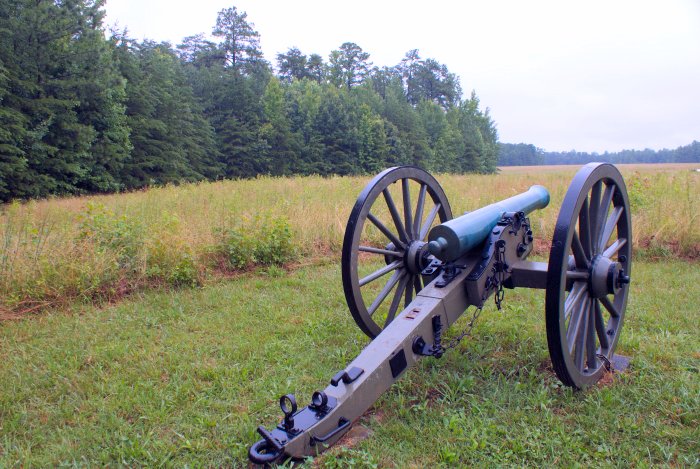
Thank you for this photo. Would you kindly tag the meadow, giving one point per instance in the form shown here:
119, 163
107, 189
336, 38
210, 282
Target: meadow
97, 249
159, 328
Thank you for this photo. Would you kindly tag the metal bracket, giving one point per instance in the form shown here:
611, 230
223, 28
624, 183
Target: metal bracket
346, 377
450, 271
436, 350
343, 424
433, 268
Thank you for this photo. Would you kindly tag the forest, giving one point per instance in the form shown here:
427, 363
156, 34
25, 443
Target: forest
523, 154
83, 110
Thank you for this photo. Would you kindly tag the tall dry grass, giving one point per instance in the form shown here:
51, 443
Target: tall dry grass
100, 247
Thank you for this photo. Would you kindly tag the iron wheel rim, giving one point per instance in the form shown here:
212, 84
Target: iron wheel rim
594, 225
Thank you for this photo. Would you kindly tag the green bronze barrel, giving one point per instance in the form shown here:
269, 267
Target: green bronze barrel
456, 237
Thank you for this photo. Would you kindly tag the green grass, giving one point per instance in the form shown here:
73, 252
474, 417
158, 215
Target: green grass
184, 377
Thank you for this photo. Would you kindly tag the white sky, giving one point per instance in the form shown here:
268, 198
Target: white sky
590, 75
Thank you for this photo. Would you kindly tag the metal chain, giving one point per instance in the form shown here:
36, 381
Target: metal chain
467, 330
499, 271
500, 274
606, 363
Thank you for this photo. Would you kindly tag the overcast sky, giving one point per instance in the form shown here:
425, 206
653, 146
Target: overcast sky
587, 75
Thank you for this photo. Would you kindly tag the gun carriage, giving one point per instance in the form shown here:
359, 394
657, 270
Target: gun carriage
409, 275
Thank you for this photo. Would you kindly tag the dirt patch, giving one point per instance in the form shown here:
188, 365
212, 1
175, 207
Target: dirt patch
608, 379
653, 249
352, 438
120, 290
24, 310
432, 396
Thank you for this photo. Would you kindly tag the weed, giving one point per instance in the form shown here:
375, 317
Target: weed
185, 272
350, 458
273, 246
236, 246
638, 191
171, 260
262, 240
122, 235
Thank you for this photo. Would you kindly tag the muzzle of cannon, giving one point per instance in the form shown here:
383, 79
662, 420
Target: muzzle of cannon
410, 270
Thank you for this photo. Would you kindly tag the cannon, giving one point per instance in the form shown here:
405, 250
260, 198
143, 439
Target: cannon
410, 270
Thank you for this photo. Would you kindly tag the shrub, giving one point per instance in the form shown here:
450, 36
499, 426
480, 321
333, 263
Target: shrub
185, 272
121, 235
170, 259
262, 240
274, 246
236, 246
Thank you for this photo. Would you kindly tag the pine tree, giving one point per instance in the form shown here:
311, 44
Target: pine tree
348, 66
64, 97
282, 146
240, 41
292, 65
171, 140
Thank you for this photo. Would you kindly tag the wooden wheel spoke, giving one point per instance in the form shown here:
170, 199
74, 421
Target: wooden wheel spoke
573, 299
593, 211
584, 229
575, 323
603, 212
380, 226
396, 300
591, 358
577, 275
407, 208
418, 218
579, 254
600, 327
378, 273
610, 225
418, 283
409, 291
384, 252
395, 215
429, 221
614, 247
610, 307
581, 335
385, 291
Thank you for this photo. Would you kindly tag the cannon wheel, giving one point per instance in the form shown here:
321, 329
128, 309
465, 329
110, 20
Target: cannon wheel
402, 227
588, 275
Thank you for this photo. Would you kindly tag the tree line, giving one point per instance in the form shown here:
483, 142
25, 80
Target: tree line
522, 154
83, 112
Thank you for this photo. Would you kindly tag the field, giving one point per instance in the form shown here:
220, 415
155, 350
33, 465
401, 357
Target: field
97, 249
116, 360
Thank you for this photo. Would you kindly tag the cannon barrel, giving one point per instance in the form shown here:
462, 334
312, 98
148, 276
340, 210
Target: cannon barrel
456, 237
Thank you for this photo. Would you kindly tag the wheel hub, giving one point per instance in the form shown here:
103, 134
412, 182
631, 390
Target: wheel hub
606, 277
415, 257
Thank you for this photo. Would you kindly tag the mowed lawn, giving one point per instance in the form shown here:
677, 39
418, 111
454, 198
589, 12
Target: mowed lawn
183, 378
